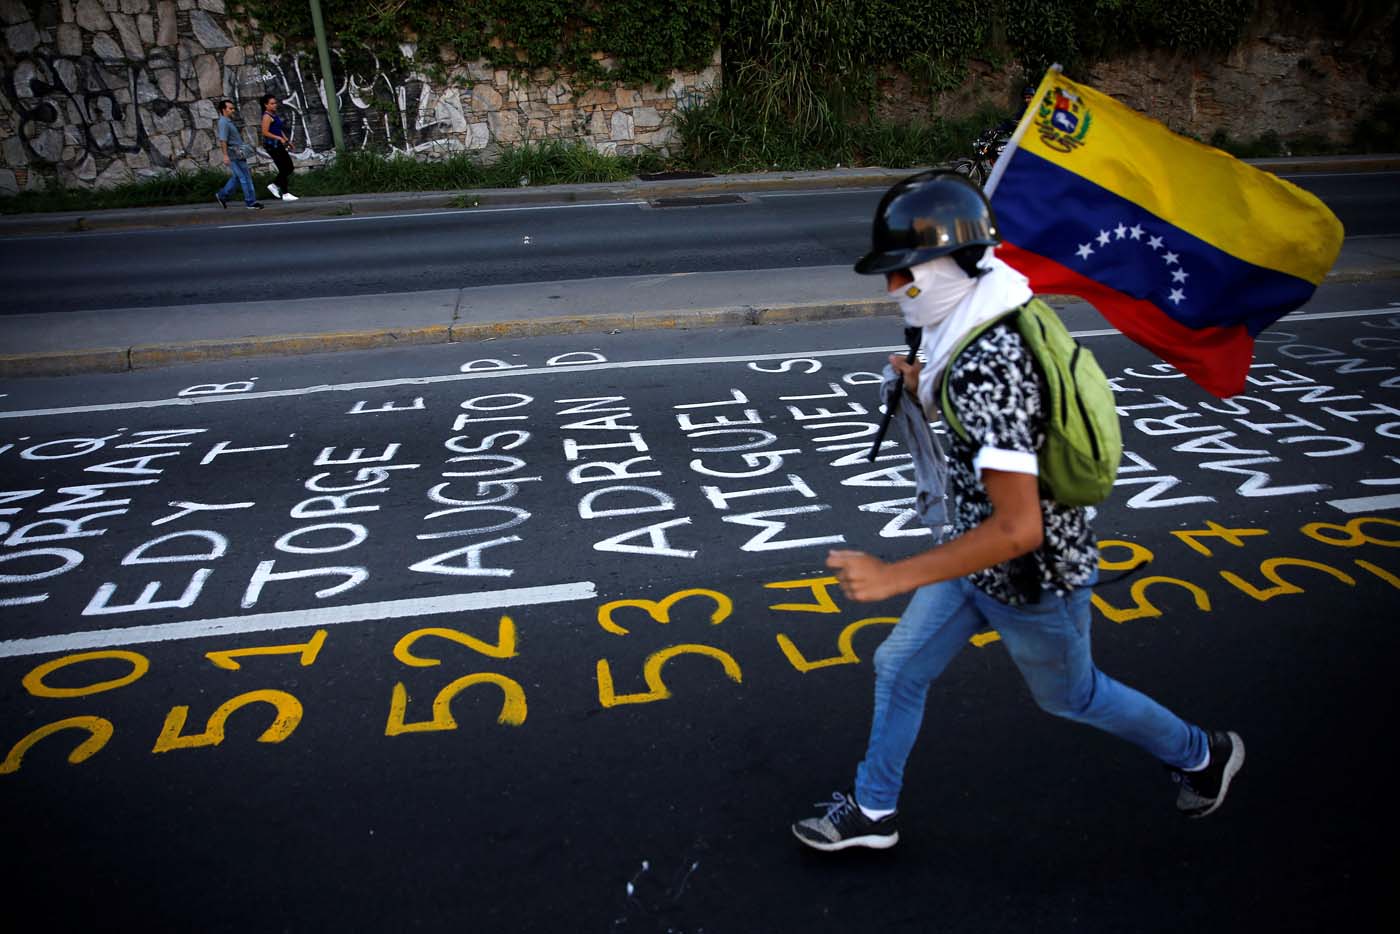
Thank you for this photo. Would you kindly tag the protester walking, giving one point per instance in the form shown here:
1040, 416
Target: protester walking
274, 140
236, 158
1016, 560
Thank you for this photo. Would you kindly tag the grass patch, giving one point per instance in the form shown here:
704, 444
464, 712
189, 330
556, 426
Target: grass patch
549, 163
173, 188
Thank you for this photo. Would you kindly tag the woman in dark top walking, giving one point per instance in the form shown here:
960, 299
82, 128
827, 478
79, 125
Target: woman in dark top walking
274, 140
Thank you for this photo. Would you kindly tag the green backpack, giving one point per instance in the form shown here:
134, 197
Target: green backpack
1083, 445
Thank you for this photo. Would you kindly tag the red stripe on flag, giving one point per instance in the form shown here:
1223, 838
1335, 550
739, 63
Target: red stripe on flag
1216, 359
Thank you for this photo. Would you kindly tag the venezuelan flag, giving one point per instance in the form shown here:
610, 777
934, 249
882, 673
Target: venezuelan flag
1182, 247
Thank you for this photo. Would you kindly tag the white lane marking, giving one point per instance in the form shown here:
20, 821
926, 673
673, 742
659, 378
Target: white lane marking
541, 371
446, 378
1332, 174
1366, 503
254, 224
429, 212
301, 619
1325, 315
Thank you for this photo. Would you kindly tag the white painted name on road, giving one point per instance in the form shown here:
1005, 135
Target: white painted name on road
302, 619
540, 371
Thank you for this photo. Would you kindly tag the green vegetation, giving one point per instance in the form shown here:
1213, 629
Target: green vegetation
645, 38
548, 163
799, 89
173, 188
731, 133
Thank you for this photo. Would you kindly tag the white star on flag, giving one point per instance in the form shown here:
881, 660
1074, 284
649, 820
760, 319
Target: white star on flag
1170, 258
1180, 275
1103, 238
1085, 251
1154, 242
1136, 232
1121, 231
1176, 296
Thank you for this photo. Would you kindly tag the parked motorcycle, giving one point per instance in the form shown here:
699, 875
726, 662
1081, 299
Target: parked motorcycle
986, 149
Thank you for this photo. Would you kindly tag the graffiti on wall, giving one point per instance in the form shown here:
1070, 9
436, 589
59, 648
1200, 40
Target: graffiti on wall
381, 109
72, 108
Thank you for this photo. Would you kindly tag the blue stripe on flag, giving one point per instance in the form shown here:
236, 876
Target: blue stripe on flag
1045, 209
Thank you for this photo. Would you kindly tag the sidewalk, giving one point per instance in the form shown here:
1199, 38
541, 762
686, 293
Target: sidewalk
401, 202
118, 339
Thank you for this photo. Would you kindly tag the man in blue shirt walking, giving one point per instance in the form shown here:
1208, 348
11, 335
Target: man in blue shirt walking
236, 158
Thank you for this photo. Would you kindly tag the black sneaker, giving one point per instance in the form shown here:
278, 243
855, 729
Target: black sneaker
1204, 791
844, 825
255, 206
223, 202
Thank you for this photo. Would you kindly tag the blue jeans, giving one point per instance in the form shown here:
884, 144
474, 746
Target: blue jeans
1048, 641
242, 175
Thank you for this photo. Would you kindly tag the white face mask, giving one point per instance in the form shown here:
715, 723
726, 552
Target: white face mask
939, 286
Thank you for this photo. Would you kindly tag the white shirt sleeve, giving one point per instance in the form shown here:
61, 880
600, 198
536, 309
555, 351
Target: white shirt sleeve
1002, 459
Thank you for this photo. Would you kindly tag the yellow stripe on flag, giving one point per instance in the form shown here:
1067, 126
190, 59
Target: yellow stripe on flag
1246, 212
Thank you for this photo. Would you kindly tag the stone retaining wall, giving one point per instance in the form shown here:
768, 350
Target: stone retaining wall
94, 93
98, 92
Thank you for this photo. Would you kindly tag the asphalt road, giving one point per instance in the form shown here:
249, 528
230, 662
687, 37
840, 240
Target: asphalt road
490, 246
516, 638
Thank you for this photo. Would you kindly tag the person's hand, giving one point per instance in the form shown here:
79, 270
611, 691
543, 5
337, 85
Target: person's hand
862, 577
226, 159
909, 371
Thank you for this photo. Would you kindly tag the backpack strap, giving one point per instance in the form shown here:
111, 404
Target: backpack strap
945, 404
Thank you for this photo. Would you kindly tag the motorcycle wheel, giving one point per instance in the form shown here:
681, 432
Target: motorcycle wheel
972, 169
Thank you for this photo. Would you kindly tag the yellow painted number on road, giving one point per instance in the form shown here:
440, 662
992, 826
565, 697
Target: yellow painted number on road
1270, 568
513, 709
660, 610
845, 644
821, 593
288, 709
1192, 537
1137, 554
504, 647
34, 681
98, 729
1380, 572
308, 651
651, 672
1354, 536
1144, 608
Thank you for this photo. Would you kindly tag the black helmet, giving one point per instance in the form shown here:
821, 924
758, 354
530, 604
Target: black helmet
924, 217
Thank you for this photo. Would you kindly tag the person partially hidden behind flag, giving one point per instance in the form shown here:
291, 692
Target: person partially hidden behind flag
1020, 563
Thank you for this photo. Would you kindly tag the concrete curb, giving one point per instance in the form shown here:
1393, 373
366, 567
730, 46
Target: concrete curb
147, 356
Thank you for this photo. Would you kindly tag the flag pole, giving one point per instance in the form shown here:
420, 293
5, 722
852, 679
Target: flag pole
1021, 128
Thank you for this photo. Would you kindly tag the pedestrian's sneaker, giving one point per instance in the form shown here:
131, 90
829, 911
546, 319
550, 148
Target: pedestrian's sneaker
255, 206
275, 192
223, 202
845, 825
1204, 791
288, 196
